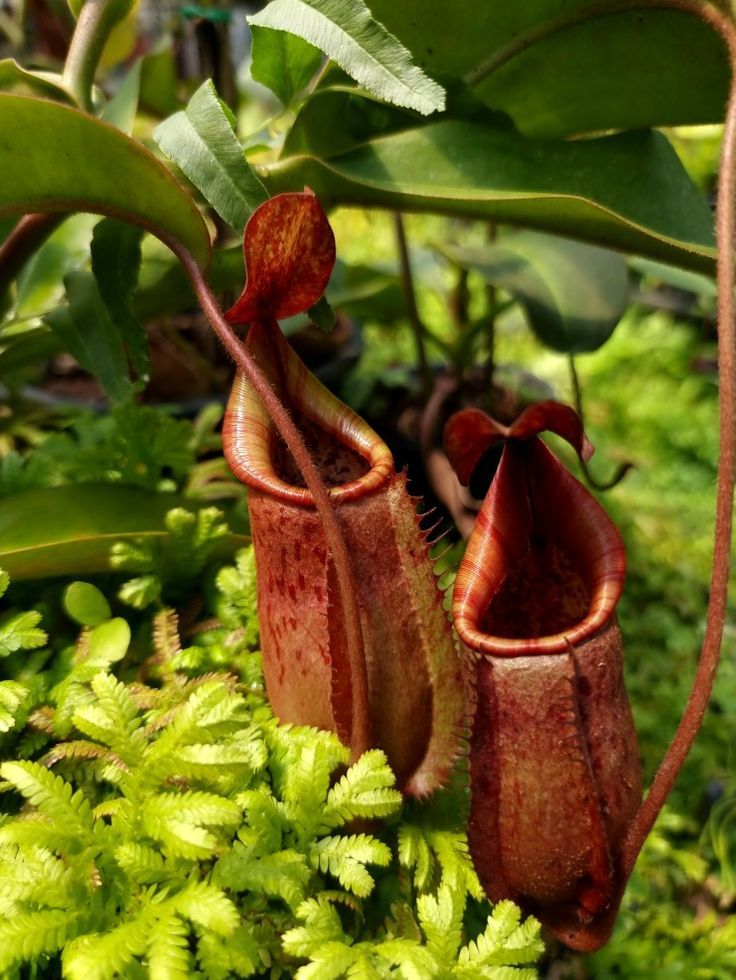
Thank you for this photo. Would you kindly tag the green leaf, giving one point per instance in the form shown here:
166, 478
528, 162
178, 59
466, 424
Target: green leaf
338, 118
85, 604
160, 80
28, 349
88, 333
40, 284
283, 62
366, 790
53, 797
283, 875
208, 907
109, 642
346, 857
200, 140
116, 260
57, 159
573, 294
441, 918
33, 933
13, 700
321, 925
703, 286
46, 84
141, 863
322, 315
21, 632
504, 942
121, 110
102, 956
582, 189
168, 949
347, 33
560, 69
70, 530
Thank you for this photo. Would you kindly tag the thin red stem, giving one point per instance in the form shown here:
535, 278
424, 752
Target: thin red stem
360, 728
23, 241
710, 651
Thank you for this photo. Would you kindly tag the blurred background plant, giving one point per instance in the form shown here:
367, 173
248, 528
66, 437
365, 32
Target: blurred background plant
113, 388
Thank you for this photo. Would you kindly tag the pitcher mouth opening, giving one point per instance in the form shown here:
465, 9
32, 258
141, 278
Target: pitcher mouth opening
353, 460
546, 567
565, 641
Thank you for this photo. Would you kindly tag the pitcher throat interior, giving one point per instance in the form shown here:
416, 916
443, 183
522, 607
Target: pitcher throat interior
337, 463
543, 595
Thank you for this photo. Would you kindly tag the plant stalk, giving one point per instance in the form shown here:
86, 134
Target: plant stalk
492, 305
697, 703
96, 20
28, 235
623, 468
360, 727
410, 299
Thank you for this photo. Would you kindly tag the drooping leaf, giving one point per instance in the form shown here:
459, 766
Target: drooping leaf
121, 110
283, 62
289, 251
582, 189
40, 284
116, 259
88, 333
690, 282
573, 294
200, 140
57, 159
347, 33
563, 68
70, 530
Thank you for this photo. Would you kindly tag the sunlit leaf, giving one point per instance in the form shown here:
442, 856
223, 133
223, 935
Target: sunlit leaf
562, 68
347, 33
283, 62
582, 189
201, 141
57, 159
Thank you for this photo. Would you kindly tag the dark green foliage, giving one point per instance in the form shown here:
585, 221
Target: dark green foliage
134, 445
